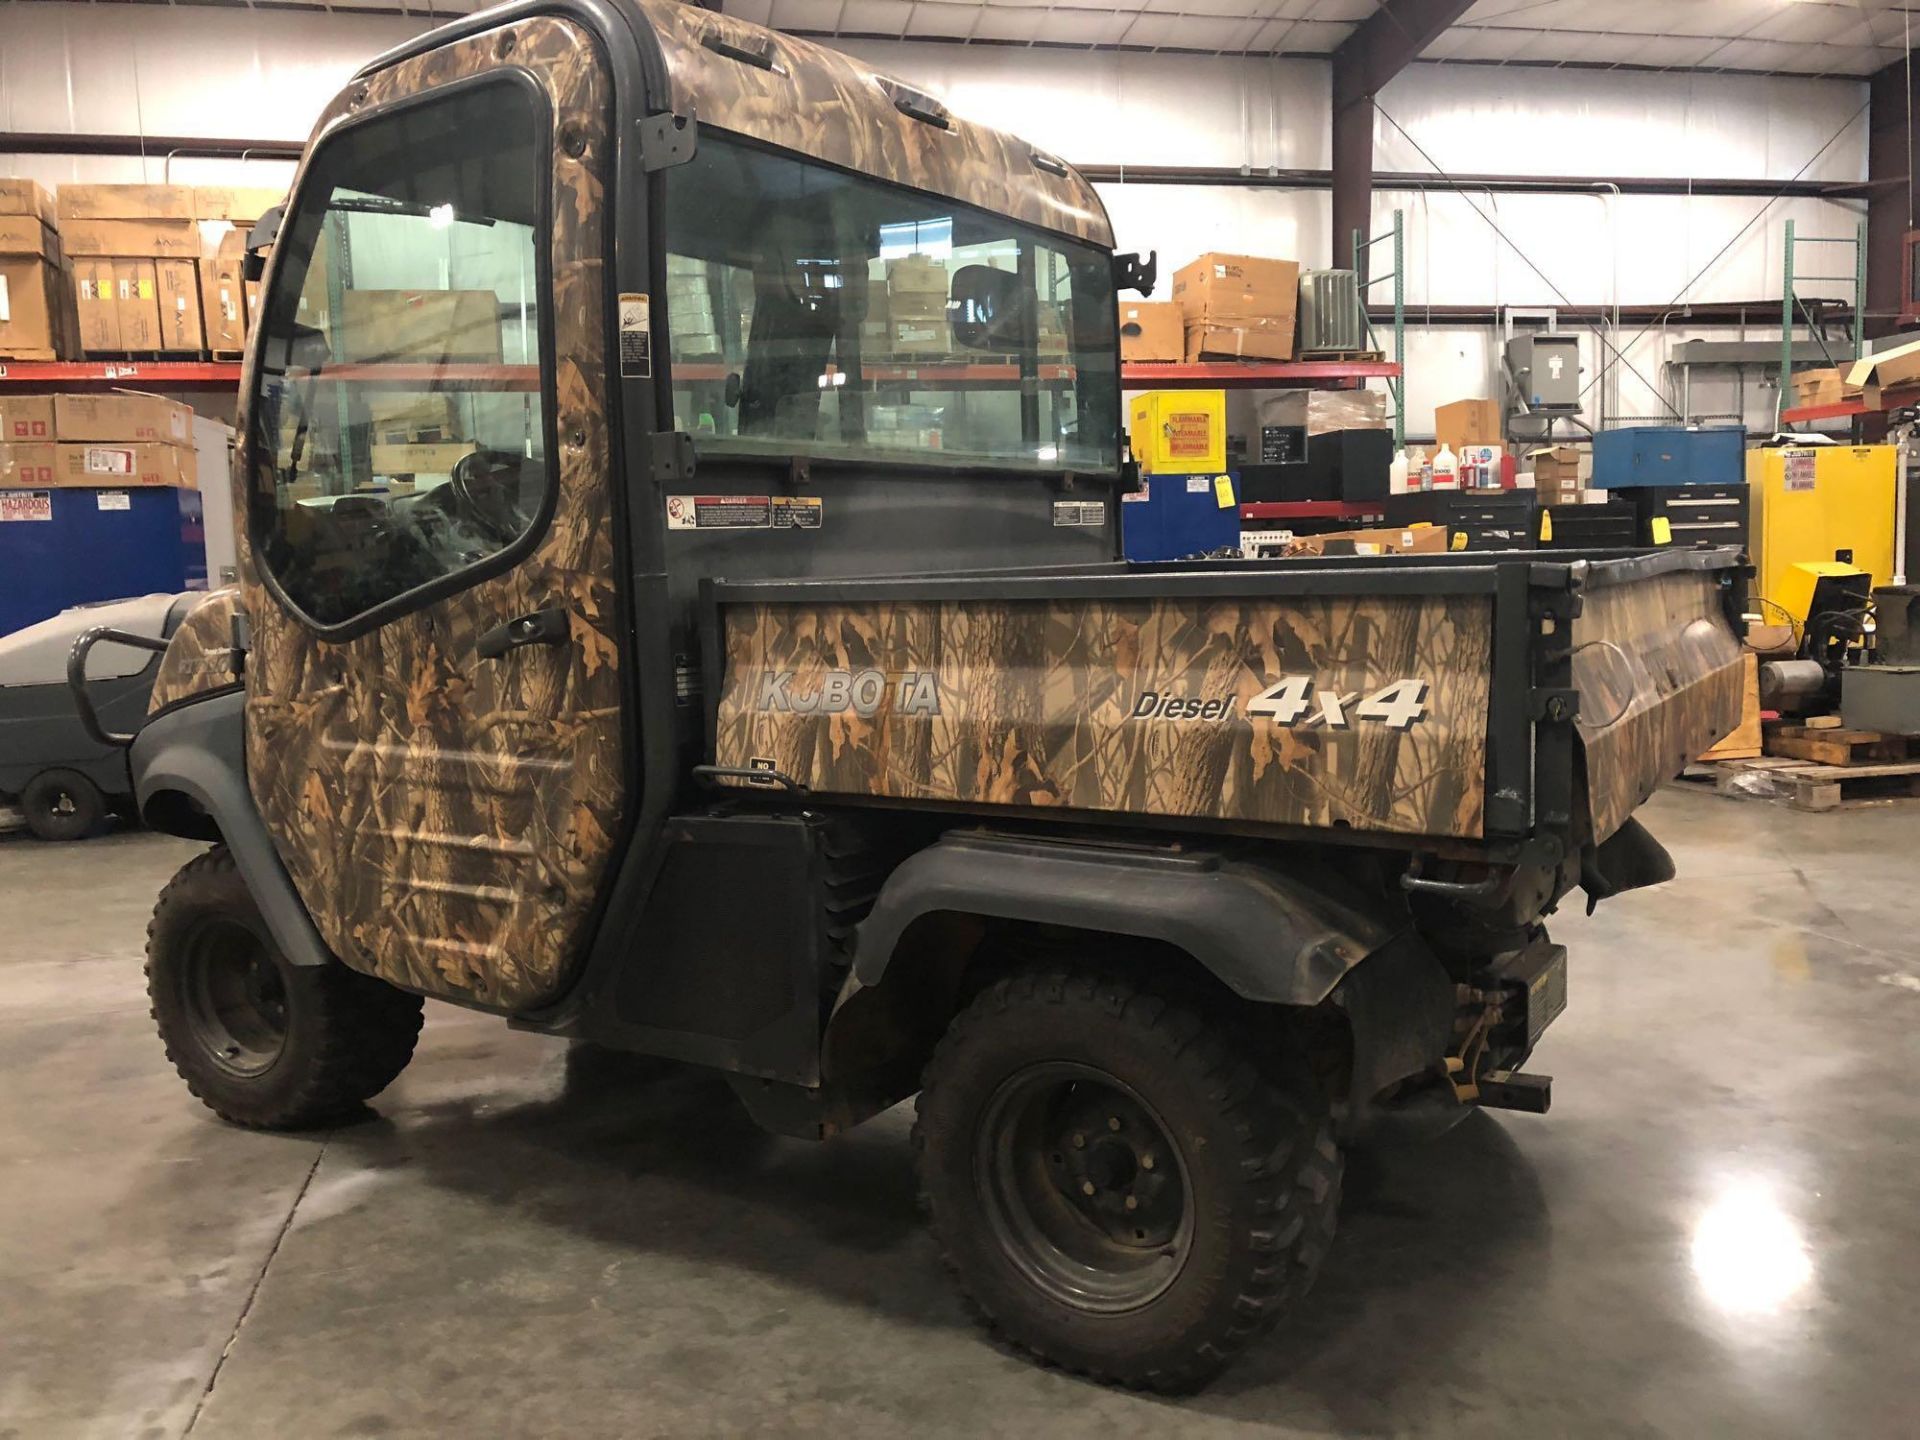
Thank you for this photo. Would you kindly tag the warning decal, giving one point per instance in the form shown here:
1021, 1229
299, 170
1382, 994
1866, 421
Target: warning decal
1080, 512
112, 500
1799, 467
636, 337
26, 505
1189, 434
744, 512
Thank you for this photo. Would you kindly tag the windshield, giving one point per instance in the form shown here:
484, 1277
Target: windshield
819, 313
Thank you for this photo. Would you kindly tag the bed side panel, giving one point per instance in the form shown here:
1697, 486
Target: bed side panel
1052, 703
1658, 669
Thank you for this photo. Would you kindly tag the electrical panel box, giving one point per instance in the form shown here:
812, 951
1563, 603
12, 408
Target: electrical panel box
1810, 502
1179, 432
1546, 370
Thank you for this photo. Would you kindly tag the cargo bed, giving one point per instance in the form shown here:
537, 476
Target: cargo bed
1502, 704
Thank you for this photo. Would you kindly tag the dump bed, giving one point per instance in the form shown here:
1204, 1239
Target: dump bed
1494, 701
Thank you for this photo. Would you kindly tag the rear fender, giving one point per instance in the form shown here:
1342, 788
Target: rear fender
190, 778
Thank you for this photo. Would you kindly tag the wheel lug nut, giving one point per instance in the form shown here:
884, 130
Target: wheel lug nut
1079, 1142
1113, 1122
1086, 1187
1132, 1203
1146, 1161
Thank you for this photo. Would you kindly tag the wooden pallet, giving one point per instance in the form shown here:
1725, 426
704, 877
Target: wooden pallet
227, 357
26, 353
1354, 355
1835, 747
1806, 785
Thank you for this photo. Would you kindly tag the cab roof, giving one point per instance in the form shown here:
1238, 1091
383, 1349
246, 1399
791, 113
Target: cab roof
820, 102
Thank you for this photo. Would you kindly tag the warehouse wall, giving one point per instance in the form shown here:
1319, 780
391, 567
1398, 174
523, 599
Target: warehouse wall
192, 70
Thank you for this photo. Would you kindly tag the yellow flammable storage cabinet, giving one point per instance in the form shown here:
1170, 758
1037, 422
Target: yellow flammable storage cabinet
1811, 500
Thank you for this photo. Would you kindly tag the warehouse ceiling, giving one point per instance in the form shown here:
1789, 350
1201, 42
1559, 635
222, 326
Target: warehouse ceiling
1805, 37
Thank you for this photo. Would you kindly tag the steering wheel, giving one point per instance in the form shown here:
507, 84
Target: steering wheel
486, 484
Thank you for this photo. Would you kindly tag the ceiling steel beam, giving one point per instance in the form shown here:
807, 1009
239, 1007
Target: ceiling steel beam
1892, 139
1383, 45
24, 142
1302, 178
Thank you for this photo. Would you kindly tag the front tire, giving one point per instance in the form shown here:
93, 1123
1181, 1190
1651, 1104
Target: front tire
1122, 1181
262, 1042
63, 805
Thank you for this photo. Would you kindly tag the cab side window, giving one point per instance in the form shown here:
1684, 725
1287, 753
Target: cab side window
399, 425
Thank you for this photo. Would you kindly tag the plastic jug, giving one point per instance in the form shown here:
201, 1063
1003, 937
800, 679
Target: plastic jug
1419, 472
1397, 474
1446, 469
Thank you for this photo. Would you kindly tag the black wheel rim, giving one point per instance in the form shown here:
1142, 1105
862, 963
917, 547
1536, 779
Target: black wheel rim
1083, 1188
63, 804
233, 997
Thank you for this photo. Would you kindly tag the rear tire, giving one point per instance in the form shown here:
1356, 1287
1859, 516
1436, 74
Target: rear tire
63, 805
262, 1042
1120, 1178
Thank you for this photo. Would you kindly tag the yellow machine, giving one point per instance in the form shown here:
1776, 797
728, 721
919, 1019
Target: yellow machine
1811, 501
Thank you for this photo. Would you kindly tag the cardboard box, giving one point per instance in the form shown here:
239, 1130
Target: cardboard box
33, 308
1413, 540
917, 275
1322, 411
378, 326
98, 314
1556, 475
136, 293
123, 416
140, 239
179, 286
24, 235
26, 197
929, 336
223, 303
1152, 332
1242, 340
1233, 287
1874, 375
26, 467
419, 459
417, 418
1822, 387
119, 467
125, 202
26, 419
242, 204
1179, 432
1469, 422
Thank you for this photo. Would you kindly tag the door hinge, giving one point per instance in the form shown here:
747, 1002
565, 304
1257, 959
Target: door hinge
667, 140
240, 639
671, 456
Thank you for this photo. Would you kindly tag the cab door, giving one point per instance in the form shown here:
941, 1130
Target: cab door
434, 691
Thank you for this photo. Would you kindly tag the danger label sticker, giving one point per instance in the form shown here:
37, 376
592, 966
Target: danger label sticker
636, 337
744, 512
26, 505
112, 500
1799, 470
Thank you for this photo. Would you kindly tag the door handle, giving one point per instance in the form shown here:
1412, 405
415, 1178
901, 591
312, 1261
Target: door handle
541, 627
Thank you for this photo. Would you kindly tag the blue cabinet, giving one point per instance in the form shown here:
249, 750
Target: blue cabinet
61, 547
1669, 455
1177, 516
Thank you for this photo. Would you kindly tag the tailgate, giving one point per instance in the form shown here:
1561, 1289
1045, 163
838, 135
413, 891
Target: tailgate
1658, 667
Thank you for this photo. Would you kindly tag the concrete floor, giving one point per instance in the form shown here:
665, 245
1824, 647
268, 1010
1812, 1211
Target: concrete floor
1714, 1233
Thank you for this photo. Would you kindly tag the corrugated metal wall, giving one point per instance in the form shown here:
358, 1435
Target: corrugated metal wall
193, 70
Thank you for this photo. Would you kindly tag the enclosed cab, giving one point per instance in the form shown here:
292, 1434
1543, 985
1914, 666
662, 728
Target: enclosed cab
678, 609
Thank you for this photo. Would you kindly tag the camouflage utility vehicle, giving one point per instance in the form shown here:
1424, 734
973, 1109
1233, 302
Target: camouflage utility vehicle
678, 609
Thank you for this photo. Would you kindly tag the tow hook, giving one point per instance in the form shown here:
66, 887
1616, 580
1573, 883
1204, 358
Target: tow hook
1515, 1090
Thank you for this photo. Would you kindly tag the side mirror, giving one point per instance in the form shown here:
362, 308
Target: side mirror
1130, 272
259, 240
989, 309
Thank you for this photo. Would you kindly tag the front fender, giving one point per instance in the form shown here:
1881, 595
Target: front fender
196, 753
1267, 935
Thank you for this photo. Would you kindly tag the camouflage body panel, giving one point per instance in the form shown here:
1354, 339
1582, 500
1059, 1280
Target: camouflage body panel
447, 821
825, 104
1037, 704
199, 654
1659, 674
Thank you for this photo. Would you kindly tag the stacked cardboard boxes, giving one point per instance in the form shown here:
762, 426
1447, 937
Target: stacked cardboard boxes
1238, 307
130, 245
917, 307
227, 298
113, 441
1152, 332
36, 304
